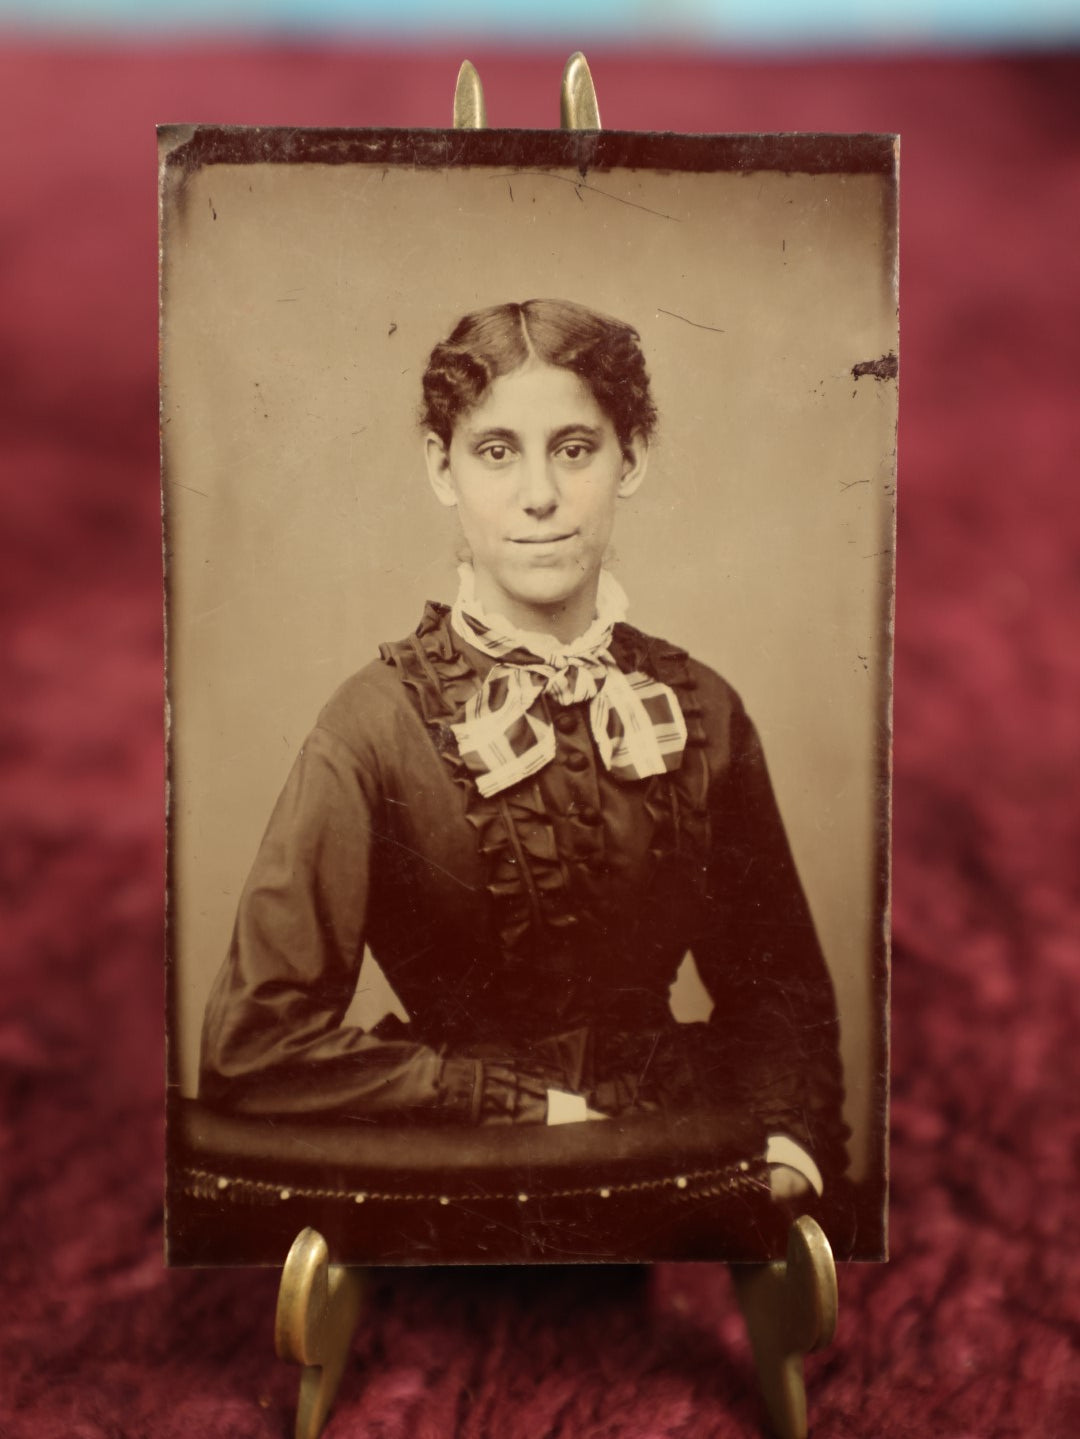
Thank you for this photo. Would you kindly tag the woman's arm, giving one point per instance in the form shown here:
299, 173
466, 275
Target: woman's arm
761, 961
273, 1041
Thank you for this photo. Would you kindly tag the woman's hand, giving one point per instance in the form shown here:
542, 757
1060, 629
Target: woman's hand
792, 1170
787, 1183
564, 1108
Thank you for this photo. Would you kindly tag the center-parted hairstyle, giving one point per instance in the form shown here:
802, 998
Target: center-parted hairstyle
603, 352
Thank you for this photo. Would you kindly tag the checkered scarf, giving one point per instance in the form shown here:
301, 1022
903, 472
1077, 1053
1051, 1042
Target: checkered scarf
506, 735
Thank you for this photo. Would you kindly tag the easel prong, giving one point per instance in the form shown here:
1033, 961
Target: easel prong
317, 1309
470, 112
578, 107
790, 1309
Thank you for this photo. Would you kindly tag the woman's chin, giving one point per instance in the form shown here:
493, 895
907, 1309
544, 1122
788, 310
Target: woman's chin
550, 589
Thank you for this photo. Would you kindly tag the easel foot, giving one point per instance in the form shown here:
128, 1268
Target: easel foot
318, 1306
790, 1310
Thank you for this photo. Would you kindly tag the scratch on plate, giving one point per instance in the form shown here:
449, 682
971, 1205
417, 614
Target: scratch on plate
697, 324
580, 185
378, 834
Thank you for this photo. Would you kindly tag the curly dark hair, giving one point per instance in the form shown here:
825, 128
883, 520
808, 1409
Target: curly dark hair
603, 352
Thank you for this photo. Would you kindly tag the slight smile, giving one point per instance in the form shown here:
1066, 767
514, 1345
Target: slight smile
544, 539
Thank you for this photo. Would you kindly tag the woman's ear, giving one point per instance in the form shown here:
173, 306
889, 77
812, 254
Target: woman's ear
635, 463
437, 456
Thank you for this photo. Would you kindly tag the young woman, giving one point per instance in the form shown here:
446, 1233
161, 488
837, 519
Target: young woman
530, 811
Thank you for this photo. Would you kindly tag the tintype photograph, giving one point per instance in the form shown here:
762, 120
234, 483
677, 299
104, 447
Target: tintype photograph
529, 514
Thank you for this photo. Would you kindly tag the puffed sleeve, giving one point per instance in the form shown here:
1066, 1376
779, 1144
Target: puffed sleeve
762, 963
273, 1041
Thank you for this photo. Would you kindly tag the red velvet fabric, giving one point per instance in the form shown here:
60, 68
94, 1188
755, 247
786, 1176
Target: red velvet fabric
972, 1329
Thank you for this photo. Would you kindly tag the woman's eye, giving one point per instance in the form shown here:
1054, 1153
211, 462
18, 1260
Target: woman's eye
498, 453
577, 450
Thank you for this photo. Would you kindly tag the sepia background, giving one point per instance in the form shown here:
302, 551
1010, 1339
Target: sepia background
301, 302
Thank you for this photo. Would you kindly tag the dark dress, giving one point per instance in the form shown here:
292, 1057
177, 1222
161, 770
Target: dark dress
532, 936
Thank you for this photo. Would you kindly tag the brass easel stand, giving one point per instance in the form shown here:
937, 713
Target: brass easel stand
317, 1310
790, 1310
789, 1305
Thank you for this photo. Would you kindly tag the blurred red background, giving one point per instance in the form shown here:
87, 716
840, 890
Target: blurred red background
972, 1329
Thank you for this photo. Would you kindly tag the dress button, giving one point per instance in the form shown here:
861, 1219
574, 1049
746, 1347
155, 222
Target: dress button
577, 761
565, 720
588, 815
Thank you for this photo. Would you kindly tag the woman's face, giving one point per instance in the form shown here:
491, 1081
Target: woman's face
534, 471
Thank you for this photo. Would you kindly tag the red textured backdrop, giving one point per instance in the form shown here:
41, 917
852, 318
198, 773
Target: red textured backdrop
972, 1329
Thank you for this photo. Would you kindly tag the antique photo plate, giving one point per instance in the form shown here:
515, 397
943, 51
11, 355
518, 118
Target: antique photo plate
600, 1013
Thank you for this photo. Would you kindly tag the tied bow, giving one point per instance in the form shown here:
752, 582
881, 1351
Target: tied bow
506, 736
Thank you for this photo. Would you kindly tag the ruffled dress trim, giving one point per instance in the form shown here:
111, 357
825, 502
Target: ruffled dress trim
676, 803
526, 878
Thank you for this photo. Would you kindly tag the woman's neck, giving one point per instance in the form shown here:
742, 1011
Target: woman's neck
563, 620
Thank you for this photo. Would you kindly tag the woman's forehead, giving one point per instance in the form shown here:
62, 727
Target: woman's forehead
536, 396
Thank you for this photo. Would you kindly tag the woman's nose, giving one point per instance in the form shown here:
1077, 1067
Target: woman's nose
539, 490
